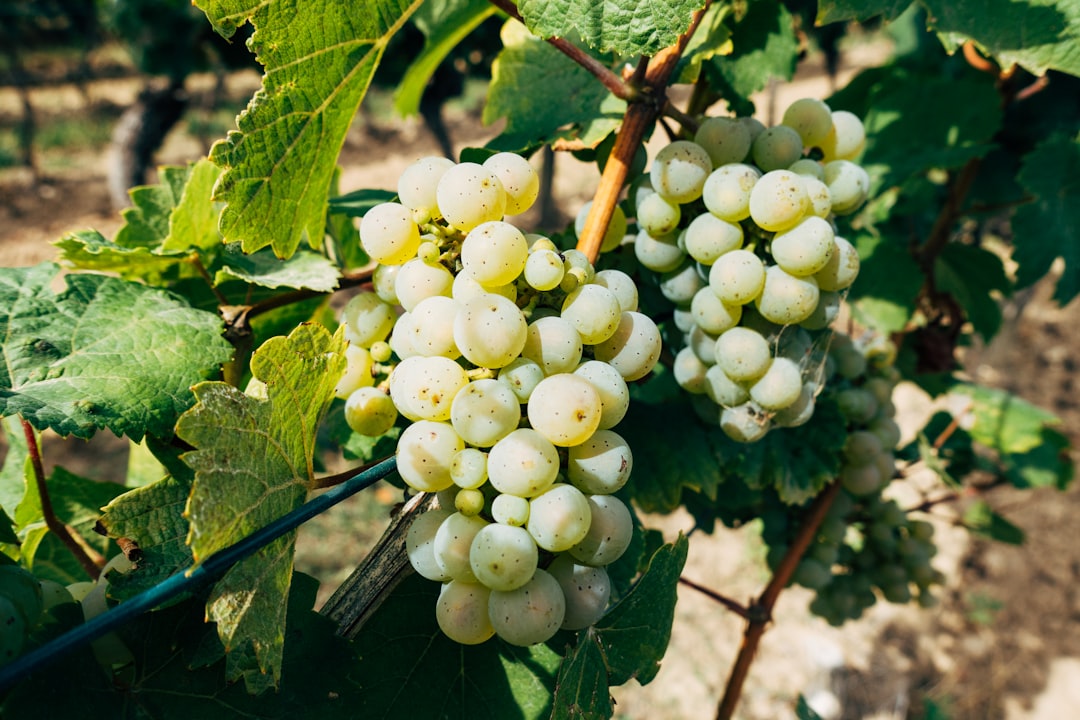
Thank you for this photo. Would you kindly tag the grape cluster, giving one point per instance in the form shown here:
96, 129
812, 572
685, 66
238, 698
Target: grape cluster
866, 542
510, 359
738, 225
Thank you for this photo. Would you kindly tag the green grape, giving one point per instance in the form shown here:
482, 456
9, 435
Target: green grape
465, 287
808, 168
416, 280
24, 591
565, 408
786, 299
727, 191
737, 277
820, 197
420, 544
383, 281
860, 480
381, 351
744, 423
586, 589
679, 171
522, 375
680, 285
658, 216
593, 311
658, 254
805, 248
811, 119
703, 344
389, 234
370, 411
722, 390
503, 557
469, 195
611, 528
755, 126
468, 468
577, 260
554, 344
612, 389
510, 510
726, 140
417, 184
857, 405
776, 148
494, 253
432, 329
780, 386
559, 517
485, 411
523, 463
401, 337
689, 371
635, 347
423, 388
425, 450
452, 543
530, 614
826, 312
799, 412
848, 186
357, 373
812, 574
848, 138
778, 200
13, 631
841, 270
743, 354
862, 447
53, 594
601, 464
519, 180
708, 237
544, 269
462, 612
490, 331
622, 285
367, 319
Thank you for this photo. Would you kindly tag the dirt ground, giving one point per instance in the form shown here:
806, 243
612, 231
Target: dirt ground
1003, 643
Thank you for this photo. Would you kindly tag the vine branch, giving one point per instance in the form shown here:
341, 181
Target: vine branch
735, 607
759, 613
90, 559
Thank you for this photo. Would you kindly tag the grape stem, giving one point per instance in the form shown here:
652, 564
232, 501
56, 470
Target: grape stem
759, 614
90, 559
735, 607
639, 117
611, 81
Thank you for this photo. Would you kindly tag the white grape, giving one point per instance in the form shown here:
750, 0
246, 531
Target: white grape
357, 372
432, 327
388, 233
468, 468
554, 344
490, 331
805, 248
622, 285
776, 148
586, 589
680, 285
469, 194
658, 254
462, 612
847, 139
425, 451
565, 408
689, 371
743, 354
712, 314
610, 531
370, 411
417, 280
658, 216
522, 375
544, 269
484, 411
708, 237
727, 191
744, 423
420, 544
494, 253
726, 140
383, 280
722, 390
811, 119
612, 389
559, 517
635, 347
779, 387
401, 337
423, 388
820, 197
703, 344
679, 170
466, 288
841, 270
848, 185
601, 465
616, 229
367, 319
530, 614
452, 543
519, 180
787, 299
799, 412
778, 200
510, 510
418, 183
524, 463
593, 311
503, 557
737, 277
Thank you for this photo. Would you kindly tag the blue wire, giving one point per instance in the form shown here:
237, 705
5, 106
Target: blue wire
209, 570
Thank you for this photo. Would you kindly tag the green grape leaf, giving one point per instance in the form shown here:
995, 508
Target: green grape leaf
764, 47
358, 202
343, 233
16, 468
830, 11
445, 24
253, 463
1047, 465
410, 669
1038, 35
980, 519
1049, 227
626, 27
1003, 421
7, 529
561, 93
976, 279
712, 38
304, 270
193, 221
104, 353
883, 296
152, 516
803, 711
146, 222
627, 643
279, 165
89, 250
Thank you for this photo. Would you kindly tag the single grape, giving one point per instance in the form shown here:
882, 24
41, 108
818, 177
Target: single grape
462, 612
544, 269
357, 372
494, 253
743, 354
744, 423
425, 451
779, 387
423, 388
530, 614
689, 371
811, 119
634, 349
776, 148
808, 168
658, 216
586, 589
452, 543
388, 233
622, 285
726, 140
469, 194
485, 411
712, 314
601, 464
848, 138
417, 185
417, 280
432, 328
841, 270
524, 463
812, 574
860, 480
708, 237
679, 171
468, 468
519, 180
593, 311
659, 254
680, 285
367, 319
787, 299
401, 337
370, 411
737, 277
820, 197
381, 351
503, 557
565, 408
554, 344
510, 510
826, 312
420, 544
559, 517
610, 532
612, 389
727, 191
753, 125
703, 344
490, 331
778, 200
805, 248
522, 376
848, 184
383, 281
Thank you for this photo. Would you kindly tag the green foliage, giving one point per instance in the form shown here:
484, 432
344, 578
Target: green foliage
625, 27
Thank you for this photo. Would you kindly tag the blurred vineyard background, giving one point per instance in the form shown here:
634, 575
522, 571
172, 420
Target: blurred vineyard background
94, 94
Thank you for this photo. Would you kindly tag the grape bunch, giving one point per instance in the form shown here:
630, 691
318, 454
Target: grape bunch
866, 542
738, 224
510, 358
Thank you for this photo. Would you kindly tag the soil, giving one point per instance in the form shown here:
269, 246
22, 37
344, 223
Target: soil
1004, 641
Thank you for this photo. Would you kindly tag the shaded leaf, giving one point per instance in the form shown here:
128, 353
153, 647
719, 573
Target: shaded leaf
253, 463
838, 10
1048, 465
980, 519
147, 220
627, 27
976, 279
102, 353
305, 270
712, 38
89, 250
193, 222
1003, 421
883, 296
358, 202
318, 64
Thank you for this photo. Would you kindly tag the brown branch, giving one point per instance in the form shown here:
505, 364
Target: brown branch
977, 61
947, 217
90, 559
602, 72
760, 613
195, 260
688, 123
640, 115
735, 607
